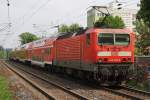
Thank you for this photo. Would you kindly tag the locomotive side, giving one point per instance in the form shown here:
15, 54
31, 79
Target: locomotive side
105, 55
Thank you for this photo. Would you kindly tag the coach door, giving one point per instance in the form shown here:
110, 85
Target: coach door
87, 46
29, 54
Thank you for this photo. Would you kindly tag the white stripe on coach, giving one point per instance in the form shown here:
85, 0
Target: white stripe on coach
124, 53
104, 53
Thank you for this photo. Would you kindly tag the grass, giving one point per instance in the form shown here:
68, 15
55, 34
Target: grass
5, 93
140, 86
1, 54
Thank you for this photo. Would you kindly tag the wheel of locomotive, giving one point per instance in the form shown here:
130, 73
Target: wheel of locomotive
57, 69
74, 73
115, 84
68, 71
28, 63
63, 70
89, 76
80, 74
52, 69
47, 67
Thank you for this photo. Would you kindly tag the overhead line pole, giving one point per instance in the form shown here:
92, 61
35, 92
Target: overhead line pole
8, 12
9, 23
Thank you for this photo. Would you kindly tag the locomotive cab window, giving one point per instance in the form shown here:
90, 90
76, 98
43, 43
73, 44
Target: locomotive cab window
113, 39
122, 39
105, 39
88, 39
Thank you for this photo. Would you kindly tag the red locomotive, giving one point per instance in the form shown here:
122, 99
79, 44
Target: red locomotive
105, 55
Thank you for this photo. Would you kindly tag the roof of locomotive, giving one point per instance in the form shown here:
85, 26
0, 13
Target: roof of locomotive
109, 30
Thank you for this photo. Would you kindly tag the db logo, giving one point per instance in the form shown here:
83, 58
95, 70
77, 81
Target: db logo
114, 53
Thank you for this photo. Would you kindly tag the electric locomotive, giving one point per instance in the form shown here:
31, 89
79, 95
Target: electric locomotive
105, 55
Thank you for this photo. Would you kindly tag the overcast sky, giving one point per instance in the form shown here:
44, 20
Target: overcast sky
36, 16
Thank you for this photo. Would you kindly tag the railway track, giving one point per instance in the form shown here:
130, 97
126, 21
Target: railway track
135, 90
122, 91
48, 95
129, 93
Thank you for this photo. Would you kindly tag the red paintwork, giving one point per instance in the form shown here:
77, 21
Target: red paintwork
73, 55
68, 49
115, 49
37, 49
75, 48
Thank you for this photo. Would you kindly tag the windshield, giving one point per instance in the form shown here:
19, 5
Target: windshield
113, 39
106, 39
122, 39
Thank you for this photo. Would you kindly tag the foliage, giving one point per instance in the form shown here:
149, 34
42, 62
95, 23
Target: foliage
138, 85
136, 51
143, 37
63, 28
137, 78
110, 22
5, 93
143, 27
27, 37
144, 12
2, 52
72, 28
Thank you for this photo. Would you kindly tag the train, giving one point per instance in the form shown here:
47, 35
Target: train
101, 54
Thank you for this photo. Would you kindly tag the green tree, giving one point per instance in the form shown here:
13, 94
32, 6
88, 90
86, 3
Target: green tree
143, 26
144, 12
143, 37
27, 37
2, 52
63, 28
72, 28
110, 22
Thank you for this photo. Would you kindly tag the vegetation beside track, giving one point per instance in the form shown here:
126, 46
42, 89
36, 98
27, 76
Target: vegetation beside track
2, 54
5, 93
138, 85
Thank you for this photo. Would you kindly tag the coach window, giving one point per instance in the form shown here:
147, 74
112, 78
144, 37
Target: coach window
47, 50
88, 39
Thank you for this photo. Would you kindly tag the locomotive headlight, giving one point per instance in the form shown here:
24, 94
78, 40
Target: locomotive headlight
129, 59
100, 60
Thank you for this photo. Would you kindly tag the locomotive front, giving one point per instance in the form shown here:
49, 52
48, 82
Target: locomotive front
115, 54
